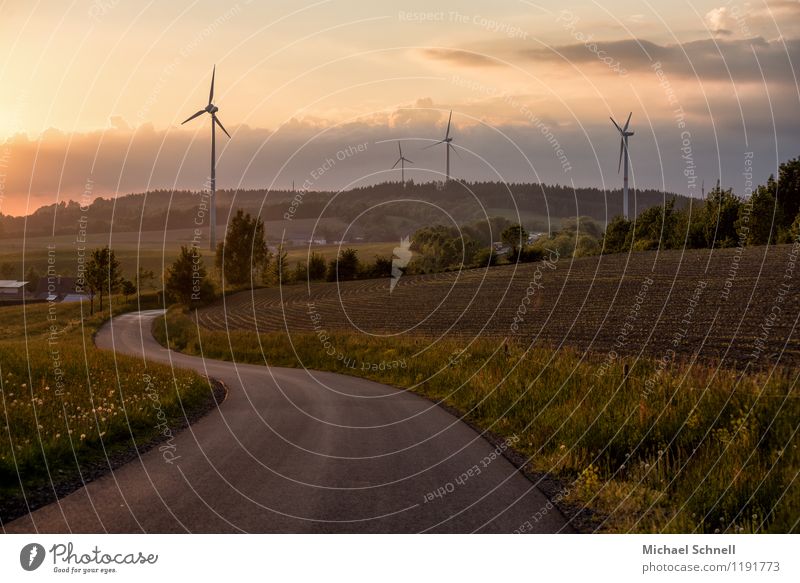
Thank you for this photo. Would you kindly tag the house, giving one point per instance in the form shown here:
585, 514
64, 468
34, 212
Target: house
11, 289
54, 288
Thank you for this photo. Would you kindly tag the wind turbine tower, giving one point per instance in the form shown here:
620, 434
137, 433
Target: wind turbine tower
402, 161
448, 145
623, 153
212, 110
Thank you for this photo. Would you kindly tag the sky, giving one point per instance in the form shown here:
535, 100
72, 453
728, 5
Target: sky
318, 93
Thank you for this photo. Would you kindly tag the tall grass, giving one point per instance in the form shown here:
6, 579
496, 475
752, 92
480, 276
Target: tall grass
66, 405
672, 449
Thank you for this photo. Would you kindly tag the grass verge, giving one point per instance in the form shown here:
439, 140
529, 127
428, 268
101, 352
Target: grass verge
69, 411
674, 448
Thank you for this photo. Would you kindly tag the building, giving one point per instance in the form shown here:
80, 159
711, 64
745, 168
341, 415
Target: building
55, 288
11, 289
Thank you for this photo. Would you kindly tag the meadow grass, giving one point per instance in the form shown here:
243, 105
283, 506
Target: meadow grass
66, 405
675, 448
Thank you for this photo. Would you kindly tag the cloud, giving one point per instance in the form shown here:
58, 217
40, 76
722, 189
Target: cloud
422, 114
118, 123
719, 20
461, 57
709, 59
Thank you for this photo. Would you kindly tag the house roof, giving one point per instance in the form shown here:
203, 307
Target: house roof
12, 283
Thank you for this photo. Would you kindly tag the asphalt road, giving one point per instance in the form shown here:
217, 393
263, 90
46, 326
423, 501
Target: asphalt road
296, 451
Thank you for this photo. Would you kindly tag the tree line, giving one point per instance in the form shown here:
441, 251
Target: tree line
770, 215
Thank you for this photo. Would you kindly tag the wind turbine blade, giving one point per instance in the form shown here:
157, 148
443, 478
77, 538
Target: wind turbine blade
627, 123
199, 113
400, 149
621, 147
434, 144
211, 93
396, 163
219, 123
407, 160
449, 119
455, 150
616, 125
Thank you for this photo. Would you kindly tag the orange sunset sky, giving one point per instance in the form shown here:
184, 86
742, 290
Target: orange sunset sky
96, 90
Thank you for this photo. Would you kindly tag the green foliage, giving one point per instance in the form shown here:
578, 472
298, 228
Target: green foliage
486, 257
760, 218
514, 236
103, 274
721, 214
316, 267
32, 277
655, 227
794, 230
186, 281
345, 267
128, 288
788, 190
382, 267
578, 237
243, 257
66, 405
617, 236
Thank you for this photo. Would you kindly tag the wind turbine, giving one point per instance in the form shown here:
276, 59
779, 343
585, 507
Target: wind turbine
212, 109
446, 141
402, 161
623, 151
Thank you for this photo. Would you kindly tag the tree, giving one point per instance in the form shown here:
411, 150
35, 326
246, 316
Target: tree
788, 190
345, 267
486, 257
794, 230
316, 267
143, 276
381, 268
186, 280
128, 288
655, 227
760, 218
103, 274
721, 215
617, 236
280, 269
300, 272
32, 277
515, 237
243, 256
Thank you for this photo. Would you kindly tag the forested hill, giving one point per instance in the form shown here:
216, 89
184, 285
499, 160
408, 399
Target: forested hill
464, 202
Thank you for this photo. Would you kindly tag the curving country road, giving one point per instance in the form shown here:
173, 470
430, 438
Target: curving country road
291, 450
